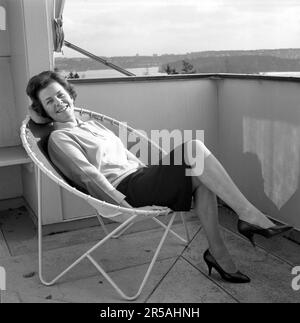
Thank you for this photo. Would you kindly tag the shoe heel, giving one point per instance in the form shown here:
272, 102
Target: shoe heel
209, 266
246, 233
250, 237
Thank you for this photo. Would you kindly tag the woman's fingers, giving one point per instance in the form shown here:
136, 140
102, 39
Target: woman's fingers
155, 208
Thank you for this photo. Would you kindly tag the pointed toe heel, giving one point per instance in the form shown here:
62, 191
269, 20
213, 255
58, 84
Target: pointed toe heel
248, 230
237, 277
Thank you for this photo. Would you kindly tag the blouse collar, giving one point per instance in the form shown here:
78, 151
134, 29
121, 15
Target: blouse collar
67, 125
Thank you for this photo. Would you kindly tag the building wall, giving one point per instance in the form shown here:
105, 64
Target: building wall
10, 183
8, 122
25, 49
188, 104
259, 141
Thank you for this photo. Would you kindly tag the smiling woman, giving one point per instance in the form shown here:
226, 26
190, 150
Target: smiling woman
58, 103
51, 95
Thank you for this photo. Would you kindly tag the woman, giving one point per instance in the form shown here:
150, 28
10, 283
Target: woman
94, 158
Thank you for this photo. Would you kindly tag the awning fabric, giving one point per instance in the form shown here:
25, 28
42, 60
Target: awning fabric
58, 33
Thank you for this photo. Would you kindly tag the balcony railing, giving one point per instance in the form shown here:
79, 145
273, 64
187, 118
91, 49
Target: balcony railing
251, 122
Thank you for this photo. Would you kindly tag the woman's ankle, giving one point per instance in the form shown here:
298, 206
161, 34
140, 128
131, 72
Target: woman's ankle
257, 218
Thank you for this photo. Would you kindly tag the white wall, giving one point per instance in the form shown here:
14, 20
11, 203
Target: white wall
25, 49
159, 104
8, 123
4, 35
31, 50
10, 177
260, 143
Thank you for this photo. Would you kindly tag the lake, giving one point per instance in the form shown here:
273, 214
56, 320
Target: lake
143, 71
153, 70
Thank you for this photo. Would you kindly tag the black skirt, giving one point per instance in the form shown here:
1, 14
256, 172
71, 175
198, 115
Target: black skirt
163, 185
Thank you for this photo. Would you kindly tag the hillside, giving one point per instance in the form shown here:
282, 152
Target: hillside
245, 64
242, 61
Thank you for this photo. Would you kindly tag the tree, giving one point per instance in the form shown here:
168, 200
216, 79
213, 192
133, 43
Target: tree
72, 75
169, 70
187, 68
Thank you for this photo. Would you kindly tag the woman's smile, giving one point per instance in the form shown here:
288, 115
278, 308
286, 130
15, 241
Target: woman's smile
57, 103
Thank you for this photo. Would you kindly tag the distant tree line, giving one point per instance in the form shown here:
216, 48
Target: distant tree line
72, 75
187, 68
244, 64
241, 61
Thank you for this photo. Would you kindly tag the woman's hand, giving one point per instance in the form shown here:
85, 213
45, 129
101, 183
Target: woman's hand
125, 204
164, 209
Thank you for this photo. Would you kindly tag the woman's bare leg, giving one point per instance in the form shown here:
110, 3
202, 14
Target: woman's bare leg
217, 180
207, 210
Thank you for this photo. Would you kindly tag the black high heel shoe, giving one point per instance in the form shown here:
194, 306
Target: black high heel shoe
248, 230
237, 278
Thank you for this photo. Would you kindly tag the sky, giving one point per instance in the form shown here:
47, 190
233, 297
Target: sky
146, 27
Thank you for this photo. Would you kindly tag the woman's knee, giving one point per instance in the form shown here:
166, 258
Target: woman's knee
195, 154
196, 147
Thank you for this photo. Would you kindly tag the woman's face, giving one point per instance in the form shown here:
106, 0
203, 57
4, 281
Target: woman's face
57, 103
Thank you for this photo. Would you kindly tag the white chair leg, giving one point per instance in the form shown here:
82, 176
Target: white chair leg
106, 230
87, 255
171, 231
115, 286
40, 240
185, 226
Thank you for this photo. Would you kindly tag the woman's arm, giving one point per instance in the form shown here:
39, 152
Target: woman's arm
71, 160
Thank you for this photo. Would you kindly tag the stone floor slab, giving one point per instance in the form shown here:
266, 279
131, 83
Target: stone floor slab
21, 234
279, 246
96, 289
270, 276
185, 284
4, 251
180, 274
129, 251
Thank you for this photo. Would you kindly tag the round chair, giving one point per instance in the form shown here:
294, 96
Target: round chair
35, 137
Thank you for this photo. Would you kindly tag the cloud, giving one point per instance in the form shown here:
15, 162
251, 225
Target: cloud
115, 27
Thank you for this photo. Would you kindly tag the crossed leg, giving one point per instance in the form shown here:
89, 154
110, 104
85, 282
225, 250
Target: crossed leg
206, 208
212, 181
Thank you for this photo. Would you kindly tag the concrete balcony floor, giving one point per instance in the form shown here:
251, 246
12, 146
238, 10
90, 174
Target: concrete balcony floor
180, 275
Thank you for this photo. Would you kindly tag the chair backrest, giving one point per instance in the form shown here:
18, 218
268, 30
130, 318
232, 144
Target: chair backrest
35, 138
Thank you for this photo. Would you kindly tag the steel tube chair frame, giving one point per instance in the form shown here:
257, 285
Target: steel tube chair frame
126, 216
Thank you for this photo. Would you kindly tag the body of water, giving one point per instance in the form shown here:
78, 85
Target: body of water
295, 74
153, 70
143, 71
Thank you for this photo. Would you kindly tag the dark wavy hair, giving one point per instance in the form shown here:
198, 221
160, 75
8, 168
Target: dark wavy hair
41, 81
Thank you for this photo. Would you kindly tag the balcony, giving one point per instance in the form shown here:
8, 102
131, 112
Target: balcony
251, 123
